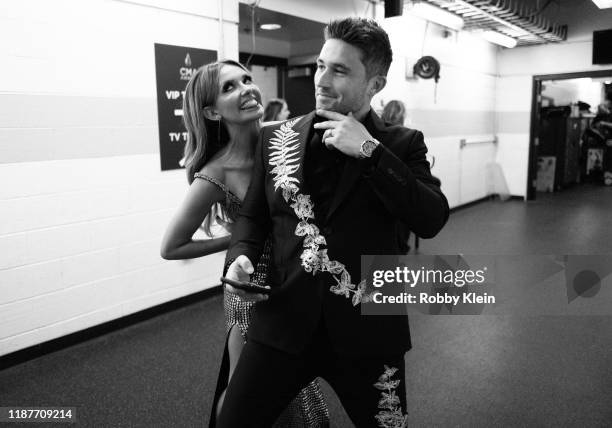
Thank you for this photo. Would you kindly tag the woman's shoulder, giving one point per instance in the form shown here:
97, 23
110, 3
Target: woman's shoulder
214, 169
213, 172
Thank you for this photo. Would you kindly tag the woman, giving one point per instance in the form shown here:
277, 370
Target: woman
394, 113
276, 110
222, 112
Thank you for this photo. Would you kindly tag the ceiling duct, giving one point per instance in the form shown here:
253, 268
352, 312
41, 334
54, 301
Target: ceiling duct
510, 17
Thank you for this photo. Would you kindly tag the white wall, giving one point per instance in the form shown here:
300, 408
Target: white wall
516, 68
83, 200
462, 106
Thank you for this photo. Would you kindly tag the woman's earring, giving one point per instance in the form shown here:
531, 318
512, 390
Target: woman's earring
219, 129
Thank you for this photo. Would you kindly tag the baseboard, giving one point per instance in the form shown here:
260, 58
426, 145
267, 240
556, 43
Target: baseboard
484, 199
75, 338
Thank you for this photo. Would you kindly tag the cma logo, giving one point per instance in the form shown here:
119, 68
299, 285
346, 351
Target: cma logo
187, 71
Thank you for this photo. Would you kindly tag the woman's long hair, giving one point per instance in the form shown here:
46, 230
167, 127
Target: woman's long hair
394, 112
273, 109
204, 137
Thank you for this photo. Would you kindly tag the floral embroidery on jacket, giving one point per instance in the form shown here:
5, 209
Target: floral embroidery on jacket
285, 161
390, 415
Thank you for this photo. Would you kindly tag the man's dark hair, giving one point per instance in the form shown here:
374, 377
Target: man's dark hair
367, 36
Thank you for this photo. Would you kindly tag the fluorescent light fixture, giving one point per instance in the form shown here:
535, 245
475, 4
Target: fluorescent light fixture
269, 27
603, 4
434, 14
498, 38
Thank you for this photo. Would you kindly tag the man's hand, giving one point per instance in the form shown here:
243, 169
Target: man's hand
240, 270
345, 133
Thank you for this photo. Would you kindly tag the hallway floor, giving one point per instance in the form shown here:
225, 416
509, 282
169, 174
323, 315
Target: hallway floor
471, 371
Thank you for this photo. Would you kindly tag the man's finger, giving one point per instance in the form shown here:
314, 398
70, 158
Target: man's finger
328, 124
245, 264
331, 114
330, 142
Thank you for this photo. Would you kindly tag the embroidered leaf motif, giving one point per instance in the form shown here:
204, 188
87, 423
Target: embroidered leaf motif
388, 400
387, 385
334, 267
289, 191
341, 290
388, 419
284, 158
359, 293
310, 260
304, 228
389, 371
345, 278
303, 207
390, 415
314, 240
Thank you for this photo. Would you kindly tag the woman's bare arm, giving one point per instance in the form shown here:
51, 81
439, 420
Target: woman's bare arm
178, 242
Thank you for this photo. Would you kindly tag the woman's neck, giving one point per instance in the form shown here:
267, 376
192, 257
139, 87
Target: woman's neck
241, 145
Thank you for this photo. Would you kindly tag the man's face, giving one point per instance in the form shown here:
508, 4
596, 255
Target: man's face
341, 84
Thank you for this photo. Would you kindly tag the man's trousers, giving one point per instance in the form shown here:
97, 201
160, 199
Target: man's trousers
371, 389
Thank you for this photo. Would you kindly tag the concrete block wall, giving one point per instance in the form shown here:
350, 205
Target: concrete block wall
82, 199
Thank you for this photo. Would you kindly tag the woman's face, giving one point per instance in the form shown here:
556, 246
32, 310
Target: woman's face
284, 113
239, 99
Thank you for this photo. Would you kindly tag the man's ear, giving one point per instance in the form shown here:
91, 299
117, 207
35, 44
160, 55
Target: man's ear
377, 83
211, 114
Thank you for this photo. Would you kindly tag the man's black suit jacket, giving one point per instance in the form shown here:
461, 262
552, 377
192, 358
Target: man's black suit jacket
372, 196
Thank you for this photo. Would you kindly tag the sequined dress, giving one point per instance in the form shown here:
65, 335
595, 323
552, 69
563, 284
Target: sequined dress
308, 409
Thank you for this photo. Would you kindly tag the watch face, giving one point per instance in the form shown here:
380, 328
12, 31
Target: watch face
367, 148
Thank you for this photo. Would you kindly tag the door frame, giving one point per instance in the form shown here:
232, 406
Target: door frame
536, 91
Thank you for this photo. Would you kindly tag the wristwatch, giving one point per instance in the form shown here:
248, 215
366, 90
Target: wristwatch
367, 148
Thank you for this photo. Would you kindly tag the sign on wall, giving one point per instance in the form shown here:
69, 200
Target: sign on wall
174, 66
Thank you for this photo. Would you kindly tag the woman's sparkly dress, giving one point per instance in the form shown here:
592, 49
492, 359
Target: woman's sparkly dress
308, 409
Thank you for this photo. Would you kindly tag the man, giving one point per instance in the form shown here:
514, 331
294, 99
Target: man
327, 188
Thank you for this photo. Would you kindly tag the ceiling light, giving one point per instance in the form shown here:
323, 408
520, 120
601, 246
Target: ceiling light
603, 4
271, 26
498, 38
434, 14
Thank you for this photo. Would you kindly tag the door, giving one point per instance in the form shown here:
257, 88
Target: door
532, 169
